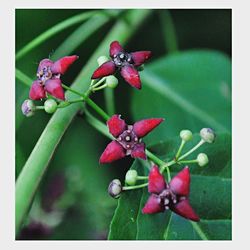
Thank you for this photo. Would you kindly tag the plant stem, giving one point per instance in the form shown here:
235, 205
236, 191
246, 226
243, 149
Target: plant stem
142, 177
135, 187
109, 100
180, 149
189, 161
39, 107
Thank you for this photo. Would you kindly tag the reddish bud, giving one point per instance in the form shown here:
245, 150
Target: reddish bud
140, 57
131, 76
115, 48
54, 87
61, 66
108, 68
37, 91
156, 181
116, 125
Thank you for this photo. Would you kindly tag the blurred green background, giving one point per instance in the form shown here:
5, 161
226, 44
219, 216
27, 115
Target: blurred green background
72, 201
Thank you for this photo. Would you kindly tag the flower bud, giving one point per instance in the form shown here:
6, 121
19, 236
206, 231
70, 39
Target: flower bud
101, 60
115, 188
28, 108
50, 106
202, 159
111, 81
186, 135
131, 177
208, 135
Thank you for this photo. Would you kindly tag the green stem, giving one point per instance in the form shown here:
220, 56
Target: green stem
142, 177
100, 87
53, 31
36, 165
134, 187
186, 162
154, 158
109, 100
39, 107
198, 230
180, 149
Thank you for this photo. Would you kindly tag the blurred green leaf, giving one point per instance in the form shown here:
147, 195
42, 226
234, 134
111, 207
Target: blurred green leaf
210, 197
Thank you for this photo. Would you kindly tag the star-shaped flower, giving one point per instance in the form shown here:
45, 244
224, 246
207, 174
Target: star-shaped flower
125, 62
127, 138
48, 78
173, 195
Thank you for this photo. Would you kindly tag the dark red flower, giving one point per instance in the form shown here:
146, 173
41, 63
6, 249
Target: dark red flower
173, 195
125, 62
128, 138
48, 78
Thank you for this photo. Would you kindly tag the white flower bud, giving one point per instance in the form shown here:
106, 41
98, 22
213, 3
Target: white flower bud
50, 106
186, 135
131, 177
101, 60
115, 188
111, 81
28, 108
202, 159
208, 135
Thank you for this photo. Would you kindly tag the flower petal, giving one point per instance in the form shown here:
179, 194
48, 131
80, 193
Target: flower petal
116, 125
139, 57
180, 184
131, 76
61, 66
115, 48
143, 127
54, 87
107, 68
45, 63
153, 205
114, 151
139, 151
37, 91
156, 181
184, 209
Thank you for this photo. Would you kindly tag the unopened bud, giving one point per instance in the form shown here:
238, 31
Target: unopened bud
101, 60
28, 108
131, 177
115, 188
208, 135
50, 106
111, 81
202, 159
186, 135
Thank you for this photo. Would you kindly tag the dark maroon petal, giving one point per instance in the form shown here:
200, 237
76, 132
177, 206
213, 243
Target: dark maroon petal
62, 65
54, 87
116, 125
139, 151
139, 57
45, 63
156, 181
180, 184
106, 69
153, 205
114, 151
115, 48
143, 127
36, 91
184, 209
131, 76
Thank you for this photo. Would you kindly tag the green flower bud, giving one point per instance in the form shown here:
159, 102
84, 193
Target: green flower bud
131, 177
50, 106
101, 60
202, 159
111, 81
115, 188
186, 135
208, 135
28, 108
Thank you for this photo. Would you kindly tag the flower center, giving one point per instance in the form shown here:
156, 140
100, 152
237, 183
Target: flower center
44, 74
128, 139
122, 59
167, 198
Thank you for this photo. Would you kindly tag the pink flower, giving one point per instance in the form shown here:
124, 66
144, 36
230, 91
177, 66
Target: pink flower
173, 195
125, 62
128, 138
48, 78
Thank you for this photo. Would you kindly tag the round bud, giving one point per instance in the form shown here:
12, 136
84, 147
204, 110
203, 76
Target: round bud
186, 135
28, 108
141, 67
111, 81
208, 135
131, 177
50, 106
115, 188
101, 60
202, 159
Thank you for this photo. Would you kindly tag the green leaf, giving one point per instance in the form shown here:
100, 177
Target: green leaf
210, 196
189, 89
